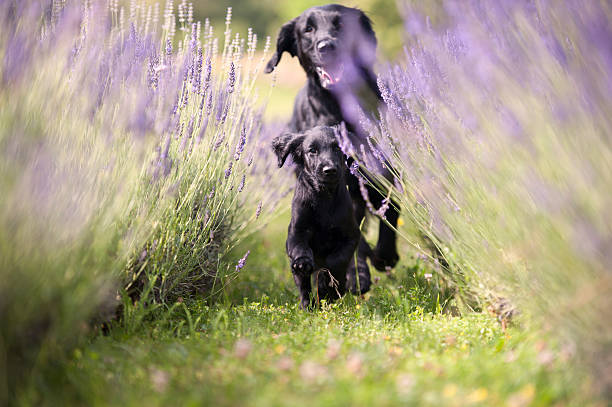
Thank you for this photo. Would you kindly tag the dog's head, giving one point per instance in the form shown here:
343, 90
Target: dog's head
316, 154
333, 43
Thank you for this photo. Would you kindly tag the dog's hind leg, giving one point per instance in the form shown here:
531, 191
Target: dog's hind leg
385, 253
358, 279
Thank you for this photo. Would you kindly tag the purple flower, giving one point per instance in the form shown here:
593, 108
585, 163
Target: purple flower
207, 73
203, 129
377, 153
168, 48
354, 169
242, 261
219, 142
242, 182
153, 72
364, 194
383, 208
240, 145
228, 171
231, 80
258, 211
225, 111
209, 102
197, 75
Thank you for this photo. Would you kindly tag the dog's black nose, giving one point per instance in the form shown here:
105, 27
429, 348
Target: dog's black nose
325, 46
329, 170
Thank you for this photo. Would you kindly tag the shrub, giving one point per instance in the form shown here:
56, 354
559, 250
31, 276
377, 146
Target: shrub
126, 163
497, 125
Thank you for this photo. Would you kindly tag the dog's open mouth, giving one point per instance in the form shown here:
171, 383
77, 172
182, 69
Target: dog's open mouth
329, 182
330, 76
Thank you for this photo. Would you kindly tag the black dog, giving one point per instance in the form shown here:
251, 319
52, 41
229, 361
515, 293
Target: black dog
336, 46
323, 233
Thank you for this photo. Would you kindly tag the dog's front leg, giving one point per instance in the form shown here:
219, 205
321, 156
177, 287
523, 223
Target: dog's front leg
302, 261
343, 254
338, 262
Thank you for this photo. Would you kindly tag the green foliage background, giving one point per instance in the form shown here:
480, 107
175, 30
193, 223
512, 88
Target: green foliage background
265, 17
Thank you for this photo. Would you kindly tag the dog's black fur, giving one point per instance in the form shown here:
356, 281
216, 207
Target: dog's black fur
336, 46
323, 233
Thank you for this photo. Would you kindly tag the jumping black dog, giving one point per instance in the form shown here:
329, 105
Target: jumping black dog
336, 47
323, 233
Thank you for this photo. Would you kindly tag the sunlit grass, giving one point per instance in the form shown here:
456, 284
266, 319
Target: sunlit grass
390, 348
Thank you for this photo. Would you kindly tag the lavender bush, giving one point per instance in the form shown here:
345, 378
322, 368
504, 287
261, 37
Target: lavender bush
497, 124
127, 166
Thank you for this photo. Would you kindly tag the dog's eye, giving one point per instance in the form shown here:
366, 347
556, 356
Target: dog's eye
309, 28
312, 150
337, 23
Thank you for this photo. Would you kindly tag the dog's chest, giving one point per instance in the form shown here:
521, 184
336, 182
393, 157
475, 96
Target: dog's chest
331, 228
327, 239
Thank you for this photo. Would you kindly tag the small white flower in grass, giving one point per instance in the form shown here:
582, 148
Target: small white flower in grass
404, 383
354, 364
333, 348
311, 371
285, 363
428, 276
242, 348
159, 379
546, 357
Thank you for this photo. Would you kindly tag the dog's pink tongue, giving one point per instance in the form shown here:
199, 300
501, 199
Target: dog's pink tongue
328, 78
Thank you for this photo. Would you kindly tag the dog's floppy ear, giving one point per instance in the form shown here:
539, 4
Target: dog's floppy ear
286, 42
288, 143
366, 26
365, 43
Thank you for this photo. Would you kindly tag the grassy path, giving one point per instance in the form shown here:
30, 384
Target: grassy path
257, 348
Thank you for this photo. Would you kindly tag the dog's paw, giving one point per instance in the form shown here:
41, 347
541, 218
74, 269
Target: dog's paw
384, 260
305, 304
302, 265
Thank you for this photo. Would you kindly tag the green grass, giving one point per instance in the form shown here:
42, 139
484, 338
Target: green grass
254, 346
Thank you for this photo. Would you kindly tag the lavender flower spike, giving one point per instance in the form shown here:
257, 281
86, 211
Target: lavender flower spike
242, 261
354, 168
240, 145
232, 78
383, 208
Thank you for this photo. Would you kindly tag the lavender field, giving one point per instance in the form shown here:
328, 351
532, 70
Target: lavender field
143, 217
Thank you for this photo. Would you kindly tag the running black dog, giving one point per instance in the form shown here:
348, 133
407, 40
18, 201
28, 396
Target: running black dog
336, 47
323, 233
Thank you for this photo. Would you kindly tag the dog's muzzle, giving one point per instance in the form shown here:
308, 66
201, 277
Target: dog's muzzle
330, 76
329, 176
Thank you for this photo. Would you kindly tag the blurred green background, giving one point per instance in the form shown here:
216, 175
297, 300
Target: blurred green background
265, 17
